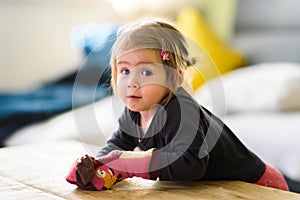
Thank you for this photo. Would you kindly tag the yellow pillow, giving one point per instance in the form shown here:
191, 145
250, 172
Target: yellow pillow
221, 57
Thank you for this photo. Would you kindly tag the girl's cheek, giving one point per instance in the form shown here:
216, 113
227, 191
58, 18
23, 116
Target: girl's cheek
121, 85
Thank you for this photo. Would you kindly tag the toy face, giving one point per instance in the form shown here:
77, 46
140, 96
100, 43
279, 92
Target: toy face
108, 177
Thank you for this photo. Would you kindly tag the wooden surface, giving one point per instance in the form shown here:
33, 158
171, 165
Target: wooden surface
38, 172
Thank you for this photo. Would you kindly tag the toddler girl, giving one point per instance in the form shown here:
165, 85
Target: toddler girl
177, 138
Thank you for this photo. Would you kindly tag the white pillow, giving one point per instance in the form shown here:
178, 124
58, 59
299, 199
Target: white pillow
266, 86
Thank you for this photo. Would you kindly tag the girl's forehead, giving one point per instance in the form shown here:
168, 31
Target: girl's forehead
139, 56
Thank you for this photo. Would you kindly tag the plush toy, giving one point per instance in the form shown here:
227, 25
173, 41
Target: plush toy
102, 173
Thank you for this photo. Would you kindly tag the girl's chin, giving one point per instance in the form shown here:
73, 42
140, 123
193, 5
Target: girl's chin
134, 108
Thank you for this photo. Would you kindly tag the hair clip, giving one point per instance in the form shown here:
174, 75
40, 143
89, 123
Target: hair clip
164, 53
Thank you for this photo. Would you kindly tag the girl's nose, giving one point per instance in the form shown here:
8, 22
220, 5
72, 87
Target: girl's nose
133, 82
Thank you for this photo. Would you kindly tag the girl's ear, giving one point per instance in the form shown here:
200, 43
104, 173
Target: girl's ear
181, 76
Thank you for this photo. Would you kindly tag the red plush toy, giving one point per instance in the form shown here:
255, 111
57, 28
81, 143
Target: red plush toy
102, 173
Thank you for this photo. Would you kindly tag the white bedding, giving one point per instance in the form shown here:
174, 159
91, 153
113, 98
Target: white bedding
91, 124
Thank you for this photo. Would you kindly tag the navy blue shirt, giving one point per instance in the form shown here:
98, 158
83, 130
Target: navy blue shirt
191, 143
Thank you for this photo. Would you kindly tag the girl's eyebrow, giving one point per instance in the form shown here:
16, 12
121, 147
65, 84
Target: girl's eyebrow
136, 64
122, 62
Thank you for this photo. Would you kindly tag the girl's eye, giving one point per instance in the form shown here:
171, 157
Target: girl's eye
125, 72
146, 73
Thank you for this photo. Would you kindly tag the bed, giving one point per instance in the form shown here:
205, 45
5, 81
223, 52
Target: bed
260, 89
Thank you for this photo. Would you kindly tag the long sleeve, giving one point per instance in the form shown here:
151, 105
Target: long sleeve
123, 139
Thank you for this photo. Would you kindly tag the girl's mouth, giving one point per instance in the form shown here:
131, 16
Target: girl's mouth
133, 97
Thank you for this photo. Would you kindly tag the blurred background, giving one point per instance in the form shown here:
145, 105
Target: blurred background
36, 40
249, 74
46, 43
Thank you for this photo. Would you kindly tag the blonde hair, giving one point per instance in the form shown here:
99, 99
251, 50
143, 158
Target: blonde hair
153, 34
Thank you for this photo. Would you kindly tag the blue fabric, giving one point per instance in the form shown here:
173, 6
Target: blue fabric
96, 41
49, 98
